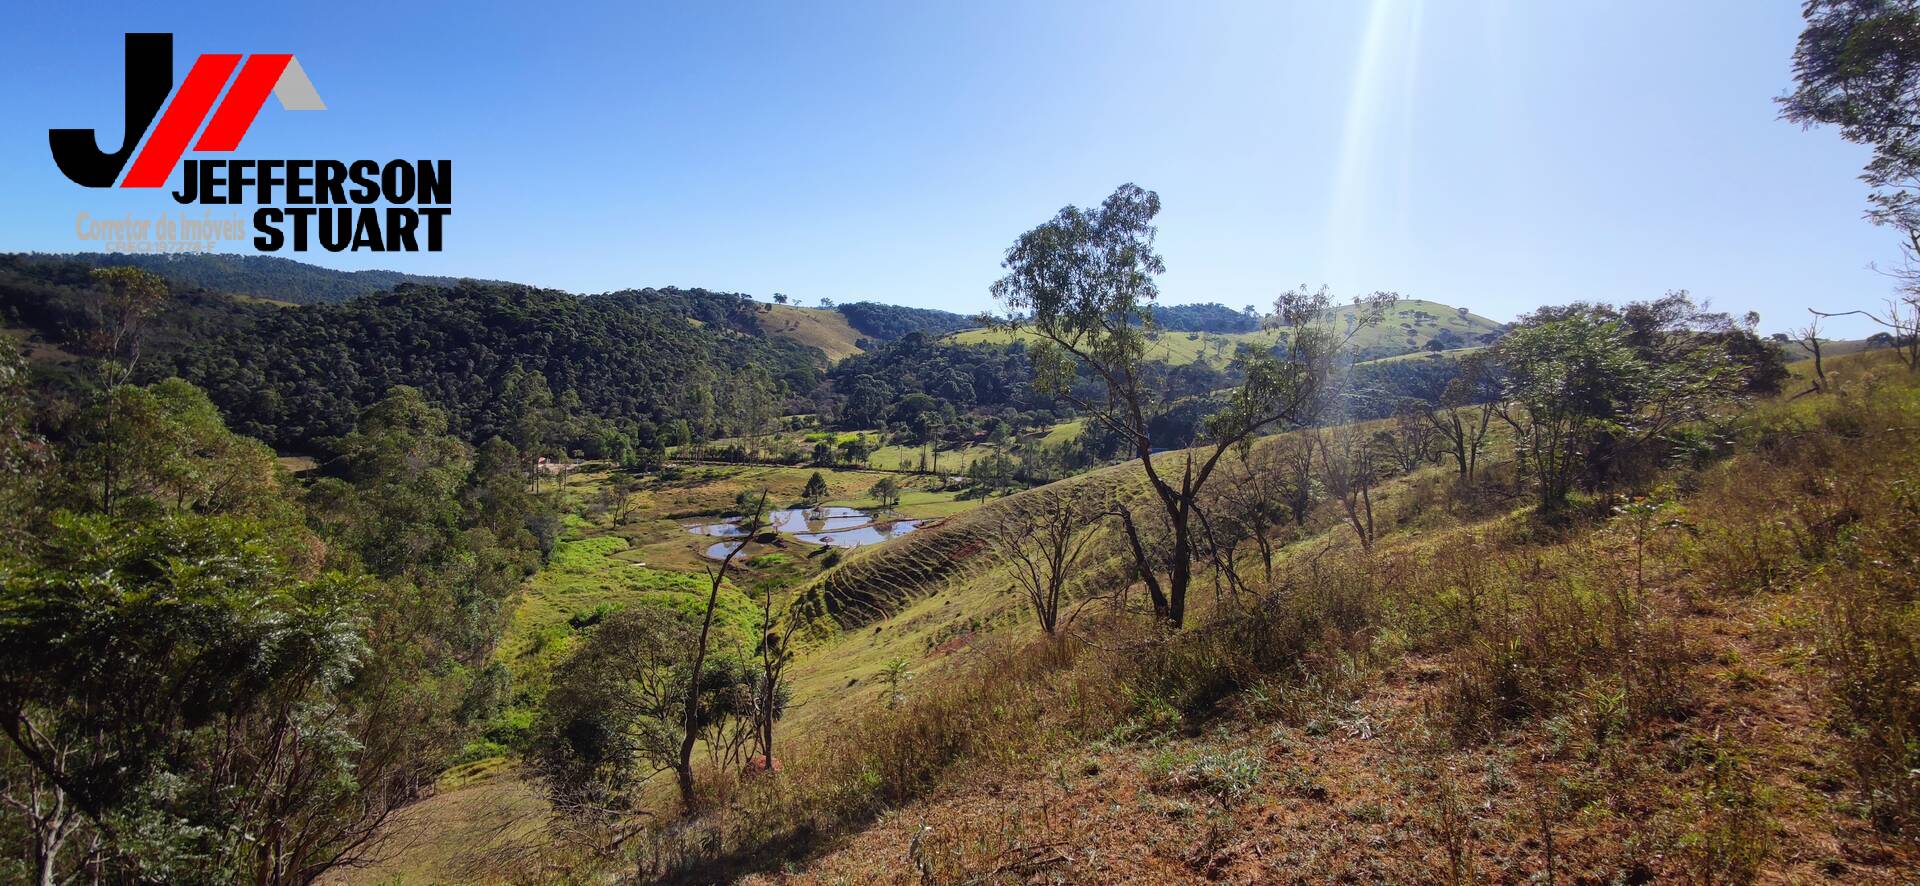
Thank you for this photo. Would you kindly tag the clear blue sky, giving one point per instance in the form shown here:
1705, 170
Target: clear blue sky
1496, 154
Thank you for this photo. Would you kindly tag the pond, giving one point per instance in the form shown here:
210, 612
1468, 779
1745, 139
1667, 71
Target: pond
721, 550
872, 533
839, 527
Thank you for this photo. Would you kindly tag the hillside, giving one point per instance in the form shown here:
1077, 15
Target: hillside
1411, 325
836, 332
1365, 734
884, 322
1389, 748
821, 328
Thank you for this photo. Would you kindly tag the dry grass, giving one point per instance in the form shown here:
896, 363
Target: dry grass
814, 327
1714, 682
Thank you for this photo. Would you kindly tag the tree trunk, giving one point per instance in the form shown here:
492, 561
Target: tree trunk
684, 769
1144, 565
1179, 573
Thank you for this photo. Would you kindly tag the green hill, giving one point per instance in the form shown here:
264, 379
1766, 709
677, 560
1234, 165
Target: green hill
1411, 325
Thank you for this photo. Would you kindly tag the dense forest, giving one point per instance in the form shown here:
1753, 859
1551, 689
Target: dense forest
870, 389
595, 368
882, 322
213, 673
628, 358
1209, 317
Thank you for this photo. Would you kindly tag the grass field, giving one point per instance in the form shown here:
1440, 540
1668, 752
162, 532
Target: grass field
648, 557
815, 327
891, 457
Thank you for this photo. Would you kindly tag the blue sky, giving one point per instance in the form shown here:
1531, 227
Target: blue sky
1496, 154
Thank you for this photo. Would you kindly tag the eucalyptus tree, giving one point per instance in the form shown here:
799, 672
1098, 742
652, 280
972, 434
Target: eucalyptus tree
1084, 282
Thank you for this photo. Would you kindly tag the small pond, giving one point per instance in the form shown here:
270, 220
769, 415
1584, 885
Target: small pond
839, 527
721, 550
872, 533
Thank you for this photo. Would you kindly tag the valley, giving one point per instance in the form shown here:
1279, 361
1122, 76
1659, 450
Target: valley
962, 579
646, 523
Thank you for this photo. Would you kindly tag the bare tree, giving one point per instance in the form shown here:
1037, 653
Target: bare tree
1347, 459
1410, 443
691, 733
1464, 412
1901, 317
49, 814
1258, 495
1047, 545
776, 629
1809, 341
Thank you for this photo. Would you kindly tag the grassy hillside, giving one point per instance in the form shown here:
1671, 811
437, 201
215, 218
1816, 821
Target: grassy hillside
1831, 348
1649, 694
1408, 327
1659, 689
821, 328
486, 814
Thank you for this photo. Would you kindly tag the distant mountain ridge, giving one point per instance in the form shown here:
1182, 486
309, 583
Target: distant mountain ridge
260, 276
294, 282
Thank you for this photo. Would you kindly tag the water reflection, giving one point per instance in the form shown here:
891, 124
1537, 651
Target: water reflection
721, 550
839, 527
872, 533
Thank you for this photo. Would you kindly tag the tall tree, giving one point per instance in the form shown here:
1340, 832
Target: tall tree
1564, 380
1857, 66
615, 704
23, 452
216, 744
1085, 282
408, 472
127, 300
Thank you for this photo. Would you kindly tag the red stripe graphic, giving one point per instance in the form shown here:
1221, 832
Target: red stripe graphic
243, 102
176, 127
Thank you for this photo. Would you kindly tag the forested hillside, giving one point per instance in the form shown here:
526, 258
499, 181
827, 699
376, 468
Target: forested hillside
550, 370
883, 322
1210, 317
493, 355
